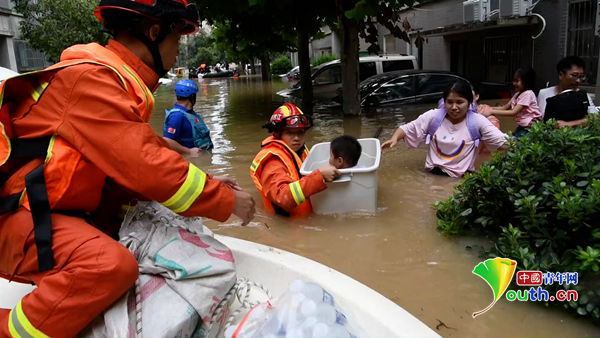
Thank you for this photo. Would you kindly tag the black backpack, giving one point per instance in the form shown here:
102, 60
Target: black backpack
567, 106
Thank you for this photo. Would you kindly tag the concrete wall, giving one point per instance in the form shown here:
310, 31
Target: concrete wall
8, 30
551, 45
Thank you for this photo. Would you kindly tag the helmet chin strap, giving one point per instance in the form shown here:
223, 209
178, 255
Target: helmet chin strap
153, 48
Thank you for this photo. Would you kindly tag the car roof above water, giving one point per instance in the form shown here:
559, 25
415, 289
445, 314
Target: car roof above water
372, 58
397, 73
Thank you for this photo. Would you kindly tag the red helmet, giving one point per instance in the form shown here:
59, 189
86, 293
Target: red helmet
172, 10
288, 116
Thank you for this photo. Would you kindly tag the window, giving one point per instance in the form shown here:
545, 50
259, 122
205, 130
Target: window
433, 83
28, 59
329, 75
366, 69
389, 66
581, 40
397, 89
503, 56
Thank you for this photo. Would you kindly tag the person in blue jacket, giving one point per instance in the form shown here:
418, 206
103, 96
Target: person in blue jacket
185, 130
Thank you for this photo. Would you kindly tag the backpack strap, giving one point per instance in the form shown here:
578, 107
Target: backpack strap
435, 124
472, 125
35, 184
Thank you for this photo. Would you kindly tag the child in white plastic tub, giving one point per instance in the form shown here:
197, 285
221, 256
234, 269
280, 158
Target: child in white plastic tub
345, 152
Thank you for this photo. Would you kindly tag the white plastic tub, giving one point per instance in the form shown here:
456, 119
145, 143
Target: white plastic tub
356, 189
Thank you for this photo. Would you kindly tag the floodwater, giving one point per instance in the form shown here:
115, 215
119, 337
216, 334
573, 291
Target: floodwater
398, 252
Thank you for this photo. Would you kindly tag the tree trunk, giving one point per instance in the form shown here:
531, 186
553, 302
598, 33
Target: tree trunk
349, 59
265, 68
305, 73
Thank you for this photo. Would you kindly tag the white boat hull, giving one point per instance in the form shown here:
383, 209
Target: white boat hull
375, 315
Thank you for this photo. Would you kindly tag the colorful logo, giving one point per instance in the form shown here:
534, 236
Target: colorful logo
497, 273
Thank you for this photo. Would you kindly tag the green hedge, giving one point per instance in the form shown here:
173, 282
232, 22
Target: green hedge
281, 65
539, 201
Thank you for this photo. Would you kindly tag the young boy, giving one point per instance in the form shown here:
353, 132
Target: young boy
345, 152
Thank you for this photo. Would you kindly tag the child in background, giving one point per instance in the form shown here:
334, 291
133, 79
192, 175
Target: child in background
523, 105
345, 152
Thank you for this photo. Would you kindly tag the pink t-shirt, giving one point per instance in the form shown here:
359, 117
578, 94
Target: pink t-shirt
530, 111
452, 149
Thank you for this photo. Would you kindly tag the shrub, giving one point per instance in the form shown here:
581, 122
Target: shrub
540, 202
323, 58
281, 65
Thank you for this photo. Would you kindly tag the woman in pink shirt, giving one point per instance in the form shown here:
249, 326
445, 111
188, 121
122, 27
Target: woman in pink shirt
453, 133
523, 105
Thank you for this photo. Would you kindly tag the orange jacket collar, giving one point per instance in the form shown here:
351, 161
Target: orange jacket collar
143, 70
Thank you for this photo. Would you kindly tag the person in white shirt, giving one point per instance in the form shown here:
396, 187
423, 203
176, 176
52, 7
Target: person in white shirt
571, 72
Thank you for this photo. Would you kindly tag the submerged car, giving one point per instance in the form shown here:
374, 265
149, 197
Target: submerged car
327, 78
293, 74
405, 87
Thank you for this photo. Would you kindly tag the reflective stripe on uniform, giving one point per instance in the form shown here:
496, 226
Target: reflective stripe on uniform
147, 93
297, 192
20, 326
254, 165
49, 151
188, 192
37, 92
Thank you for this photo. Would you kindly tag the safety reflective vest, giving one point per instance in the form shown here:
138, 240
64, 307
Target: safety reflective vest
274, 147
200, 132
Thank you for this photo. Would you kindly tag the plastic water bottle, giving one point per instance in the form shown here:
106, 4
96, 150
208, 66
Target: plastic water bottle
312, 291
322, 330
229, 331
272, 325
323, 312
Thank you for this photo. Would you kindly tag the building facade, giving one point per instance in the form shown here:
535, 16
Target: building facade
15, 53
489, 50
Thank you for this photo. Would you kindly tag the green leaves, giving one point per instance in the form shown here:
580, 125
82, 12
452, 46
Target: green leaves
53, 25
588, 259
540, 200
281, 65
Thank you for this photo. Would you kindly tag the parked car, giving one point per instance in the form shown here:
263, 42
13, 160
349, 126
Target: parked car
327, 78
406, 87
293, 74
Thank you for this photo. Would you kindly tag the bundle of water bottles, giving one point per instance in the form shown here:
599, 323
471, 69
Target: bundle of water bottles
304, 310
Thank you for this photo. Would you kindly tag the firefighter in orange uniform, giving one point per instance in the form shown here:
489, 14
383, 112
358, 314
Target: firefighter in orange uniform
69, 134
276, 168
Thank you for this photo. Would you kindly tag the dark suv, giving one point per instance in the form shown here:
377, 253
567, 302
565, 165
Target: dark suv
405, 87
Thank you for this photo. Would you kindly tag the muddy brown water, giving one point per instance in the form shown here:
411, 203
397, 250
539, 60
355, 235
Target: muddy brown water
398, 252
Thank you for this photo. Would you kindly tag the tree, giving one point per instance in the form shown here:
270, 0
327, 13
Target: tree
53, 25
247, 29
357, 18
259, 28
203, 49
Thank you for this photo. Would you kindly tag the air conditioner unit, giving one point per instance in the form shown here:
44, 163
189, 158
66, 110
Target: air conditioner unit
514, 7
475, 10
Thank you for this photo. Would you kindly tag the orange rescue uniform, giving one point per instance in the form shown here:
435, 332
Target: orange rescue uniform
88, 108
276, 174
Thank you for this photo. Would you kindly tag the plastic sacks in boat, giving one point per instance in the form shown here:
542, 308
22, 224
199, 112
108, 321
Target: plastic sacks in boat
184, 274
304, 310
